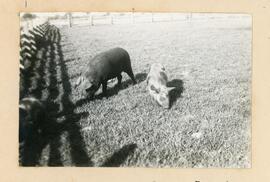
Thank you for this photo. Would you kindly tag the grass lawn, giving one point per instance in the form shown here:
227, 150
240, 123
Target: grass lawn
209, 123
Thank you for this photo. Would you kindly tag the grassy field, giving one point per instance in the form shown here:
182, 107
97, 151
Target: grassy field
209, 122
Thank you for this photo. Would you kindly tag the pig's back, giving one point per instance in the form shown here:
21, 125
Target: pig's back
110, 63
157, 74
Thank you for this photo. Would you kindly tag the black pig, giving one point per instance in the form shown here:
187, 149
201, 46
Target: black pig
103, 67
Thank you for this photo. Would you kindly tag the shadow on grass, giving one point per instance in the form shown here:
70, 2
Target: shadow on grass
72, 59
119, 157
140, 77
60, 116
177, 91
125, 84
59, 125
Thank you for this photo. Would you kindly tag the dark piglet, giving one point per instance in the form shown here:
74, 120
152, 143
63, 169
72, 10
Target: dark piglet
103, 67
32, 115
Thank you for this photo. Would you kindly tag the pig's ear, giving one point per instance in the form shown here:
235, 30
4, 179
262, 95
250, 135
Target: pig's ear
170, 88
152, 87
22, 106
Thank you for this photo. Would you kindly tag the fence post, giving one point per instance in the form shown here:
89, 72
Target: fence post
91, 19
70, 19
111, 19
133, 15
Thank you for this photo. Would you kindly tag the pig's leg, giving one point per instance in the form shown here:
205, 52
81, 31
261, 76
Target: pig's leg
130, 74
104, 88
91, 91
119, 78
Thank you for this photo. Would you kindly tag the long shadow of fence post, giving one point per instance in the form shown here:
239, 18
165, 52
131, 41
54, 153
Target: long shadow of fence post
78, 153
50, 67
36, 142
120, 156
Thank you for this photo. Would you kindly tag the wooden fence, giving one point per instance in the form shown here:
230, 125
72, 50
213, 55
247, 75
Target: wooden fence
92, 19
31, 39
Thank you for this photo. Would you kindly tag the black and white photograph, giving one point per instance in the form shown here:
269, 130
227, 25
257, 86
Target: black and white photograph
135, 89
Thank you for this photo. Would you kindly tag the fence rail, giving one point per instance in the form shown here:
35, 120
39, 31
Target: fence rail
92, 19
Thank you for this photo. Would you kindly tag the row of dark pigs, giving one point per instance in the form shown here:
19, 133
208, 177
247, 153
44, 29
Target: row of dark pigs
101, 68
